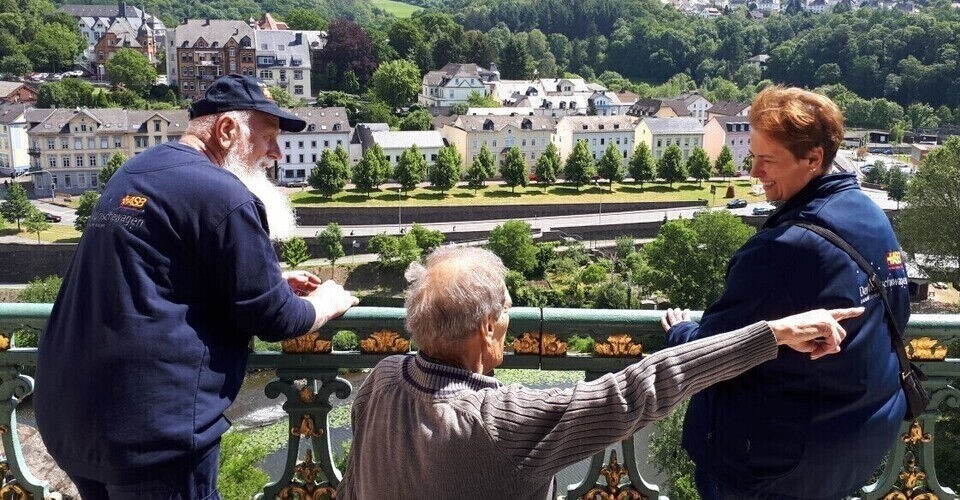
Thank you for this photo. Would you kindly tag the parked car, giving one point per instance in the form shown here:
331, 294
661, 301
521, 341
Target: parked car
737, 203
51, 217
763, 209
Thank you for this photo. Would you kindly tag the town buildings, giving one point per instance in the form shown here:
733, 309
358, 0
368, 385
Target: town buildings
201, 50
500, 133
95, 21
453, 84
283, 59
599, 132
17, 92
14, 158
730, 131
70, 146
686, 132
326, 128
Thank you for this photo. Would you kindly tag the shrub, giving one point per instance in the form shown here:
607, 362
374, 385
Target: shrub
583, 344
345, 340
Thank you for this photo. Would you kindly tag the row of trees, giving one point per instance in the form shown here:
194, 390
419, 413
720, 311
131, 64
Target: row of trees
16, 208
333, 171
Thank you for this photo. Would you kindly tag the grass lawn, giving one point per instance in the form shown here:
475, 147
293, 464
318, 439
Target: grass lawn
499, 195
57, 233
397, 9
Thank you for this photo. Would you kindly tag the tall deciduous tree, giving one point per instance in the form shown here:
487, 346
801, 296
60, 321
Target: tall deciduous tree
16, 207
304, 19
699, 165
513, 169
350, 52
330, 241
417, 120
330, 175
88, 201
897, 186
427, 239
642, 167
396, 83
724, 165
481, 169
131, 69
515, 61
548, 164
610, 166
396, 252
411, 168
446, 170
117, 159
671, 167
371, 171
513, 243
930, 222
54, 47
295, 252
579, 168
689, 257
36, 222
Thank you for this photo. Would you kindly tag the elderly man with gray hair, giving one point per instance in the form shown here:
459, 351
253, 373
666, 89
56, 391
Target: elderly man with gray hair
437, 424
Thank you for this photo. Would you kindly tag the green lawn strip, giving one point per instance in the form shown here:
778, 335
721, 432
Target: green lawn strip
501, 195
397, 9
57, 233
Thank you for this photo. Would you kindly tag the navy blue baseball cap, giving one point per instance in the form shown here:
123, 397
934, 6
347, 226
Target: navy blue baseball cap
238, 92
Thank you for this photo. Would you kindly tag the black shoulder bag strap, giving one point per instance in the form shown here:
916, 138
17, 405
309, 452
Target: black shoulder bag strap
910, 374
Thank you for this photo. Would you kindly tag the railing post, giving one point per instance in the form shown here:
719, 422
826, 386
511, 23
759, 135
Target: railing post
307, 406
14, 386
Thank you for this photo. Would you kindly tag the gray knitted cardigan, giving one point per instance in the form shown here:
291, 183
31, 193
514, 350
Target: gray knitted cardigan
428, 430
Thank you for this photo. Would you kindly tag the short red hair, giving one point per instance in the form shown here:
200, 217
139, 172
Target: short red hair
799, 119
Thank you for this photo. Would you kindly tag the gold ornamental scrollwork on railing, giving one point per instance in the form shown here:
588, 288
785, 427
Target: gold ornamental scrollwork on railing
926, 349
529, 343
307, 482
912, 482
11, 491
4, 342
619, 345
384, 342
915, 434
307, 429
613, 473
310, 343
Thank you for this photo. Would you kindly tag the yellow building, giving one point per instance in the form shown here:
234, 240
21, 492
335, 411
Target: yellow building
500, 133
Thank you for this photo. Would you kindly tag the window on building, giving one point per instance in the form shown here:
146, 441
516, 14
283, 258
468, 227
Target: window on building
51, 143
298, 74
313, 157
104, 158
78, 144
157, 139
141, 141
104, 142
117, 143
286, 144
263, 46
298, 89
79, 159
81, 180
301, 173
65, 162
287, 159
266, 74
300, 144
91, 143
300, 159
67, 181
52, 162
313, 144
281, 48
326, 144
93, 160
83, 127
156, 125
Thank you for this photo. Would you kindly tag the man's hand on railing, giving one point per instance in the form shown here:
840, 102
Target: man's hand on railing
817, 332
329, 301
302, 282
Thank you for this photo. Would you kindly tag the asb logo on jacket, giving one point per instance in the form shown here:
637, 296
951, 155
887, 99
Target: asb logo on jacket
134, 201
894, 260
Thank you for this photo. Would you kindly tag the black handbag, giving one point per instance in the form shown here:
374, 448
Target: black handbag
911, 377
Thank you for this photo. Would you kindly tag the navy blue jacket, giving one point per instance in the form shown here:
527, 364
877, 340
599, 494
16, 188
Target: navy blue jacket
794, 428
146, 345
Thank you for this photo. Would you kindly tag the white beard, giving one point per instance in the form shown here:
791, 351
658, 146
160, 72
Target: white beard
280, 215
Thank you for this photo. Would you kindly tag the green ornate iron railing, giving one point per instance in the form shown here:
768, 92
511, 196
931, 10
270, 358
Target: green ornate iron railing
539, 343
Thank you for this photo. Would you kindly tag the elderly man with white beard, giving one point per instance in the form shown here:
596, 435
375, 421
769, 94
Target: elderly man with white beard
146, 345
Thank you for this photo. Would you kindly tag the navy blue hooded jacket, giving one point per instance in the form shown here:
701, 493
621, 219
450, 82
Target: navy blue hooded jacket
146, 345
794, 428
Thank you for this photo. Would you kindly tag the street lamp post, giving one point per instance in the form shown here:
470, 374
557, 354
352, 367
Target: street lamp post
399, 209
600, 213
